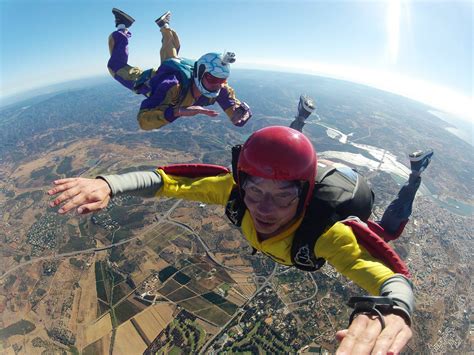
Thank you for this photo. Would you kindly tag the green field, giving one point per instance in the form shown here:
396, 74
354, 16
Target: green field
195, 304
119, 292
21, 327
181, 278
76, 244
165, 273
65, 166
214, 315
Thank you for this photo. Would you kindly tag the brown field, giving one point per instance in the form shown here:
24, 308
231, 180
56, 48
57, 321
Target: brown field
195, 286
218, 223
30, 274
147, 265
100, 329
128, 341
245, 284
101, 346
169, 287
232, 260
180, 294
84, 306
155, 318
161, 236
208, 327
211, 283
25, 342
247, 289
6, 350
234, 297
183, 215
231, 244
88, 296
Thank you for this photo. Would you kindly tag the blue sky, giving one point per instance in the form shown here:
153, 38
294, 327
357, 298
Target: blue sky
420, 49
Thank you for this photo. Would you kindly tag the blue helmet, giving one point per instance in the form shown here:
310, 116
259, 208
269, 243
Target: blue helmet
217, 65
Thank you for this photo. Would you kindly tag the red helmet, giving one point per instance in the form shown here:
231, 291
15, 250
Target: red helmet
279, 153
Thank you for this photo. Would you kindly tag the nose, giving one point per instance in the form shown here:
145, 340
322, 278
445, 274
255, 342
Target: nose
266, 205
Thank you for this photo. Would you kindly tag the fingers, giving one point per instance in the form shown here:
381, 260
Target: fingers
196, 110
68, 194
62, 185
91, 207
72, 203
394, 337
365, 336
340, 335
400, 341
210, 113
361, 336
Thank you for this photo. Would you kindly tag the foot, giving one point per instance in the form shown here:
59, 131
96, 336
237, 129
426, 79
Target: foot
420, 160
121, 18
164, 20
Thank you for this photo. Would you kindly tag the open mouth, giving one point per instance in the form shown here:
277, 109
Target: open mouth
263, 223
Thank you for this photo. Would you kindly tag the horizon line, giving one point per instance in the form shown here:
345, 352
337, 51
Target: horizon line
438, 97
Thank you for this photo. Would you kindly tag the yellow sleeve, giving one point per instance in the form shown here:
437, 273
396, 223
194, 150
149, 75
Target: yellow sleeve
212, 189
339, 246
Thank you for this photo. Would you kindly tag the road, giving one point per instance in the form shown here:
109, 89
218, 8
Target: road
160, 220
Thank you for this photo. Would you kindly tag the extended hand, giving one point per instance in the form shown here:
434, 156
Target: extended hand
365, 336
88, 195
196, 110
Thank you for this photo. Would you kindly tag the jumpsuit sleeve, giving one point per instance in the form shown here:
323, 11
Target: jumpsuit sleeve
227, 100
158, 109
211, 189
338, 245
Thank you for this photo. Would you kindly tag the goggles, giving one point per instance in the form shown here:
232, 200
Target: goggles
283, 198
211, 79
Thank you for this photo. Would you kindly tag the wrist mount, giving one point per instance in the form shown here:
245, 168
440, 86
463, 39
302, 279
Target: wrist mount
377, 306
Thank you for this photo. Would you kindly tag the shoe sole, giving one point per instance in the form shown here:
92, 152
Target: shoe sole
128, 17
162, 17
421, 157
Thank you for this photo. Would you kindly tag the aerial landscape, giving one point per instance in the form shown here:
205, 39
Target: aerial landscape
173, 276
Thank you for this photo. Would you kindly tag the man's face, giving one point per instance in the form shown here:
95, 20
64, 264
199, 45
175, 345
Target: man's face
211, 83
271, 203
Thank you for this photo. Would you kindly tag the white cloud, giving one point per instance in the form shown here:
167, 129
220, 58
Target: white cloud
437, 96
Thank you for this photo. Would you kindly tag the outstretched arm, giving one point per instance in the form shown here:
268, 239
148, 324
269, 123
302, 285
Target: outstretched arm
340, 248
238, 112
90, 195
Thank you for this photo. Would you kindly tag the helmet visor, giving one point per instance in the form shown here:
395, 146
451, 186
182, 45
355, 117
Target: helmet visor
211, 79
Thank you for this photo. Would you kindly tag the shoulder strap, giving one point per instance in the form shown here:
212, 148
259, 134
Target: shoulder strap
318, 217
336, 196
235, 208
